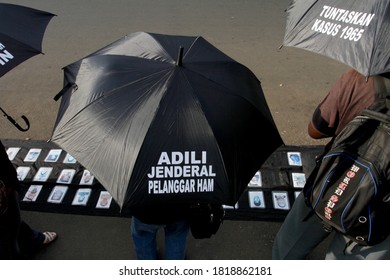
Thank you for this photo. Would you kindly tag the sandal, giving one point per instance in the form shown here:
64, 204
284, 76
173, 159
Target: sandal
49, 237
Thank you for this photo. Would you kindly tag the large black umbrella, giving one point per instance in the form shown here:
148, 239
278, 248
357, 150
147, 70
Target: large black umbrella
354, 32
160, 118
21, 33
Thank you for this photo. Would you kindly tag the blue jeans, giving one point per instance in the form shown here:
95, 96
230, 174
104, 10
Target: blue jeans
145, 244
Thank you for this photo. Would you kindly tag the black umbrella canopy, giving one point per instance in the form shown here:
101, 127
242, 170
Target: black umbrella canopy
354, 32
155, 127
21, 33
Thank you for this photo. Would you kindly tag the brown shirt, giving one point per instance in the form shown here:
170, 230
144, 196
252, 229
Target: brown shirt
347, 98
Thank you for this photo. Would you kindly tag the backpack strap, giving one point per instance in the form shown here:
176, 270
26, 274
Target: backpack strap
380, 109
382, 90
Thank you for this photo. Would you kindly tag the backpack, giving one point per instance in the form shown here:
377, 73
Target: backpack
349, 189
205, 219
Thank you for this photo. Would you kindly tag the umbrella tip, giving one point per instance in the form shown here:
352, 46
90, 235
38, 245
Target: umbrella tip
179, 61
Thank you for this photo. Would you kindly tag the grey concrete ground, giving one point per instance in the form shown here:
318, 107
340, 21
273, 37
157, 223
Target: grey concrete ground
250, 31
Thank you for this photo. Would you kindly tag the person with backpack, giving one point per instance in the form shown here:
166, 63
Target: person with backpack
302, 230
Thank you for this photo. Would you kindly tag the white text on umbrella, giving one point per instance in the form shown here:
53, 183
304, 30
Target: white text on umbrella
5, 55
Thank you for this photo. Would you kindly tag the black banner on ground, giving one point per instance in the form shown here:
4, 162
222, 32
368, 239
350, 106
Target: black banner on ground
52, 181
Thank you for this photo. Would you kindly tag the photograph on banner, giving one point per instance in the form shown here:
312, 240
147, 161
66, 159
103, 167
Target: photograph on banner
32, 155
32, 193
57, 194
53, 155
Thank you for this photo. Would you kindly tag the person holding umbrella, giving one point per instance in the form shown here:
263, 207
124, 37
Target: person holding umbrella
145, 224
173, 121
302, 230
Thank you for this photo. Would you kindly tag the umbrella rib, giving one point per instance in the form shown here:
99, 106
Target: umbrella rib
133, 82
301, 18
211, 129
25, 45
374, 40
227, 90
215, 82
109, 93
190, 47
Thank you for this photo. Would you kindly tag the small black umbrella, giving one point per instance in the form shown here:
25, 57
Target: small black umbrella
354, 32
21, 33
160, 118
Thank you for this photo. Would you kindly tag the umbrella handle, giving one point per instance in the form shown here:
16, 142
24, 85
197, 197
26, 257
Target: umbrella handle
64, 90
15, 123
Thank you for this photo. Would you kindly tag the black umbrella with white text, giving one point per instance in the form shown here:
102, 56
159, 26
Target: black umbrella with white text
21, 34
354, 32
165, 119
